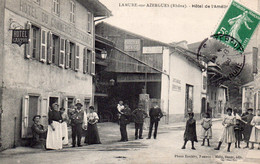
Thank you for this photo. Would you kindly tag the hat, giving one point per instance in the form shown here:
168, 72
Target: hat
36, 116
55, 104
91, 107
229, 109
250, 109
78, 103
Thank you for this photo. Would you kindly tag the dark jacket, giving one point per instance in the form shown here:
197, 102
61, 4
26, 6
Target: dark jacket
125, 116
76, 116
190, 131
139, 115
54, 116
38, 132
155, 114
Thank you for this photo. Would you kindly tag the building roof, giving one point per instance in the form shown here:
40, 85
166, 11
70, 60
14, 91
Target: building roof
99, 9
189, 55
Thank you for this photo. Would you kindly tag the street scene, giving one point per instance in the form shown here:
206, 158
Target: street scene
120, 81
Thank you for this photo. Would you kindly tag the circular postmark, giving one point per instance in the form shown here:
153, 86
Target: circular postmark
225, 60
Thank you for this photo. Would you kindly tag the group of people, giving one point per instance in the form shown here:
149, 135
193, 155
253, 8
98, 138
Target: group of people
138, 115
58, 120
236, 128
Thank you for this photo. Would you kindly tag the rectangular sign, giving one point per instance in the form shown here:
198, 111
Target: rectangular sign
20, 36
153, 50
132, 45
237, 26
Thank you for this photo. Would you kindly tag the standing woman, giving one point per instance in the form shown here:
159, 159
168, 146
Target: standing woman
228, 135
54, 134
255, 134
92, 130
247, 127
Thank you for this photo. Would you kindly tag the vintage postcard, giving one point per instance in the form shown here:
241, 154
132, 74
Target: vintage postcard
130, 81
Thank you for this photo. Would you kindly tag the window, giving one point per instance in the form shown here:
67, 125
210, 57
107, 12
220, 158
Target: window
62, 53
72, 12
71, 55
87, 56
36, 35
89, 23
55, 49
77, 59
56, 7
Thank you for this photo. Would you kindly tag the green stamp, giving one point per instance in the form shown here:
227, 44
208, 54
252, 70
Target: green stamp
239, 23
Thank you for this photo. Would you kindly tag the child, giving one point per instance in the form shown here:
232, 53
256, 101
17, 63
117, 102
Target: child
206, 128
255, 134
190, 131
238, 133
228, 133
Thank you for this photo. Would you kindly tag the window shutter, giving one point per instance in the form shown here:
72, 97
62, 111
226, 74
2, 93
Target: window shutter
28, 47
62, 53
44, 110
77, 58
49, 53
89, 61
67, 54
85, 60
89, 22
43, 50
93, 59
25, 116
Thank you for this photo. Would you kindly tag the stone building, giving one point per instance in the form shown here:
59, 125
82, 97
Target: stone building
57, 64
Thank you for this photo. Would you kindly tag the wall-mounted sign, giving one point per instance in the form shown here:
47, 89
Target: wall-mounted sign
20, 36
176, 86
153, 50
132, 45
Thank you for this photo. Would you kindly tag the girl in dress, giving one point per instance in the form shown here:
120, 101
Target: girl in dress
54, 133
92, 130
228, 135
206, 128
190, 131
255, 134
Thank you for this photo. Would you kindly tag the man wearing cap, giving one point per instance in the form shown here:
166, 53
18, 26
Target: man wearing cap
76, 117
139, 116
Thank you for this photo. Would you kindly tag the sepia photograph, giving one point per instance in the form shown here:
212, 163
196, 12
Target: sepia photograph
129, 81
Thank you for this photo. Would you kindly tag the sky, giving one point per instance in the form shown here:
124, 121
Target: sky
168, 24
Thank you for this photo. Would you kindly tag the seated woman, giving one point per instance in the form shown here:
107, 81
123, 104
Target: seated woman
39, 133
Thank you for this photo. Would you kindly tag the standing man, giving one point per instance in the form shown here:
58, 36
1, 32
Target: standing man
139, 116
76, 117
155, 114
123, 121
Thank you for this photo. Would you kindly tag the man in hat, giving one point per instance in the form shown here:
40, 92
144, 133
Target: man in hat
77, 117
39, 132
139, 116
155, 114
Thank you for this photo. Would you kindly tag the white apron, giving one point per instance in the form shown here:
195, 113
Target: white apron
54, 138
64, 127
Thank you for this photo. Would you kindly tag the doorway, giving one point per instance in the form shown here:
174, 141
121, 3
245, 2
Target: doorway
53, 100
33, 110
203, 105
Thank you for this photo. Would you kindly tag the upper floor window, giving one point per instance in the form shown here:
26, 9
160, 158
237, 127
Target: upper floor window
36, 39
55, 49
56, 6
72, 12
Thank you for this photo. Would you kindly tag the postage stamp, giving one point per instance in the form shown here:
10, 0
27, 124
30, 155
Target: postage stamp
225, 60
240, 23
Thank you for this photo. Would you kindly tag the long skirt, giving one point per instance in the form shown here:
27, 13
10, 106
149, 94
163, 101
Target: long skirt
206, 134
64, 127
255, 135
92, 135
247, 132
228, 135
54, 138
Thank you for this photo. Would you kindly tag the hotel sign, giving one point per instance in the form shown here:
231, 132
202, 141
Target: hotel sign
20, 36
132, 45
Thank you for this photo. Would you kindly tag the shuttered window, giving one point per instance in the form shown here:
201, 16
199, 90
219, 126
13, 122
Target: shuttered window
77, 59
43, 53
62, 53
67, 53
93, 59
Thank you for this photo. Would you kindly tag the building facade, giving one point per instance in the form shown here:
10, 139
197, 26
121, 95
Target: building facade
57, 64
